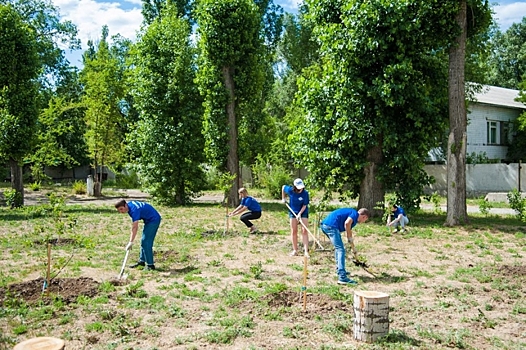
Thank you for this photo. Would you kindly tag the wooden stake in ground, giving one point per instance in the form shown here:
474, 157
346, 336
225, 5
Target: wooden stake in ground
371, 315
304, 287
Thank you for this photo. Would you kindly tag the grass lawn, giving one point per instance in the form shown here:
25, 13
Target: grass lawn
461, 287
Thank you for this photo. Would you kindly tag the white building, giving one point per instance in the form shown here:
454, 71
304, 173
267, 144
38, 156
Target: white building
490, 121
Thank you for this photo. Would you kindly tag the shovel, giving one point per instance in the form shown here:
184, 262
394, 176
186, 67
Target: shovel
357, 261
121, 275
306, 228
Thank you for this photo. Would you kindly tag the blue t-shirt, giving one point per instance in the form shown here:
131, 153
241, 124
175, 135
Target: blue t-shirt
337, 218
143, 211
251, 204
398, 211
298, 200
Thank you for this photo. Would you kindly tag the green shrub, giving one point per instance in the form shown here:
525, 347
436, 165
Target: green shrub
79, 187
35, 186
270, 177
517, 203
127, 181
13, 198
484, 206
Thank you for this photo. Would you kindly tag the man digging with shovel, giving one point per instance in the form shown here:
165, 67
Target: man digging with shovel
152, 219
342, 220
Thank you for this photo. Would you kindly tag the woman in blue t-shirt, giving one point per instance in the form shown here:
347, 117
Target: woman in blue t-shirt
299, 203
250, 204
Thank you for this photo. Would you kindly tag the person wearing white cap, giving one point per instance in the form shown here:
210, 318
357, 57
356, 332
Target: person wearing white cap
299, 203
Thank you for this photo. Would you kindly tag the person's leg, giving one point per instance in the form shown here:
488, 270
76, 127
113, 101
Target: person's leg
294, 235
339, 249
305, 234
404, 222
148, 236
246, 217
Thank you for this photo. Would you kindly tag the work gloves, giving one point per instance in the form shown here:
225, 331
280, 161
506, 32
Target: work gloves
129, 245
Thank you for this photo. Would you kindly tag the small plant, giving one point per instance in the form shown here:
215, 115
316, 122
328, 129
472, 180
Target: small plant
485, 206
35, 186
517, 203
256, 270
270, 176
79, 187
13, 198
435, 199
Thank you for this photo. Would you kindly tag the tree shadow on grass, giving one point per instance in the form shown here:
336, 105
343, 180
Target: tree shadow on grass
398, 337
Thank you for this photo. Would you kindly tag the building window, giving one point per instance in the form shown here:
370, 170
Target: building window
498, 132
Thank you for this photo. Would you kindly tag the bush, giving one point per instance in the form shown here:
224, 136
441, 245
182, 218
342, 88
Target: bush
517, 203
79, 187
127, 181
35, 186
13, 198
270, 177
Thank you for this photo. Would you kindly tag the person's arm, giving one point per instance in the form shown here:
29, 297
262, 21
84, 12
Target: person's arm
348, 229
283, 199
238, 210
133, 234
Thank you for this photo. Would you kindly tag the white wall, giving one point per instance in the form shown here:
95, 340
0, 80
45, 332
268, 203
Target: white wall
481, 178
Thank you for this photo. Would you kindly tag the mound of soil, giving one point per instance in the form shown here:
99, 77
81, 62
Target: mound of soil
66, 289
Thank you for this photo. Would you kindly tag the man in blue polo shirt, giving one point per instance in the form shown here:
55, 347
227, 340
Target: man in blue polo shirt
152, 219
342, 220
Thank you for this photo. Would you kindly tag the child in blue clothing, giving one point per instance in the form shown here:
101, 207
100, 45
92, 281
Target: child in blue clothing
299, 203
152, 219
250, 204
399, 218
342, 220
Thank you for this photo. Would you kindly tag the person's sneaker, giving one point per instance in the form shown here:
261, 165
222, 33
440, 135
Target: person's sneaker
347, 280
253, 229
150, 267
293, 253
137, 264
306, 255
403, 230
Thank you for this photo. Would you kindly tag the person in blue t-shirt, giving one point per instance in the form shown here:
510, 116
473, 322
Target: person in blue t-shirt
299, 203
250, 204
342, 220
152, 219
398, 218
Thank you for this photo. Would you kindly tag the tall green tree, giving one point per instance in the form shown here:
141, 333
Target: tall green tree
52, 34
471, 17
508, 58
61, 128
231, 77
19, 69
104, 92
168, 139
376, 104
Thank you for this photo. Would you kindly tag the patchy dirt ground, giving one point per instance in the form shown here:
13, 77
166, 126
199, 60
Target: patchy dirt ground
463, 290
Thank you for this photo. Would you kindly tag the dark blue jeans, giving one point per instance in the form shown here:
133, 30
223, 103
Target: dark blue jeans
148, 235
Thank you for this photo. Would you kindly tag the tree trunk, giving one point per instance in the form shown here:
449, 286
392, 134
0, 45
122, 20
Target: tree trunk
233, 158
457, 140
371, 315
17, 181
371, 190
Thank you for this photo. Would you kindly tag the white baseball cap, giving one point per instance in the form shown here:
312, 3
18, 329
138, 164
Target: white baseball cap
298, 183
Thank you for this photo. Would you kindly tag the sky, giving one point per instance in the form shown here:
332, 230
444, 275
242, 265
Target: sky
124, 17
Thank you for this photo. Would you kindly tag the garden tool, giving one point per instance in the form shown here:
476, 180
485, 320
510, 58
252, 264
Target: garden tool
121, 275
306, 228
356, 261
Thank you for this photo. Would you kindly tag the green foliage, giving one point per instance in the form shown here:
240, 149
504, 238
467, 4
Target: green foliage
19, 67
128, 180
477, 158
167, 138
484, 206
517, 203
507, 61
270, 175
103, 86
13, 198
80, 187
